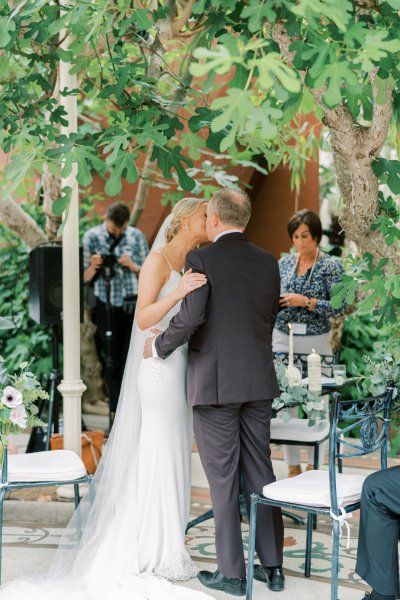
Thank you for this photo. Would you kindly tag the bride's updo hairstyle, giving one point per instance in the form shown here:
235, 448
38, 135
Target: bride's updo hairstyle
184, 208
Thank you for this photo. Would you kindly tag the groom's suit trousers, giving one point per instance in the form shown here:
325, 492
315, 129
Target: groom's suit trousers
227, 436
377, 554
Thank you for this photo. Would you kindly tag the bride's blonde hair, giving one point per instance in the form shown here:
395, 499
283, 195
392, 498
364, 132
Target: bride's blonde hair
184, 208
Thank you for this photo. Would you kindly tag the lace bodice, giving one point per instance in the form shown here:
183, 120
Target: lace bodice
170, 285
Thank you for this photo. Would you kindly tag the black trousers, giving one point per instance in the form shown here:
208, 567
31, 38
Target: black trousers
121, 329
227, 436
377, 555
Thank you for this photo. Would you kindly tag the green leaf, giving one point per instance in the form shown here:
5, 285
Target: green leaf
234, 109
271, 66
202, 118
171, 158
332, 76
194, 143
307, 102
359, 94
338, 11
291, 106
388, 171
257, 12
218, 60
7, 26
356, 34
323, 53
143, 18
261, 118
62, 202
393, 3
344, 291
124, 167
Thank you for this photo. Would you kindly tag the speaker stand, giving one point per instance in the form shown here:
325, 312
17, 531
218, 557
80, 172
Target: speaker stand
109, 363
40, 436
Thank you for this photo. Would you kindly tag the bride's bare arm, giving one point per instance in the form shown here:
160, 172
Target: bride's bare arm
153, 275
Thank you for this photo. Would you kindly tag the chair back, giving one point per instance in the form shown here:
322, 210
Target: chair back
300, 359
369, 418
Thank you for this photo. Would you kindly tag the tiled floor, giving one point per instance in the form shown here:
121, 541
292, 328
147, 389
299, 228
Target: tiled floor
34, 520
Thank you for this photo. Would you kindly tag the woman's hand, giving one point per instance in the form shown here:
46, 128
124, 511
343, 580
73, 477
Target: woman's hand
190, 281
290, 300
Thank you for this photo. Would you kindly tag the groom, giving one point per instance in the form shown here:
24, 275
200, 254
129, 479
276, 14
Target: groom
231, 383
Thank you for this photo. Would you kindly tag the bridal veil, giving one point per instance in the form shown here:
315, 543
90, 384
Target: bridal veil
97, 558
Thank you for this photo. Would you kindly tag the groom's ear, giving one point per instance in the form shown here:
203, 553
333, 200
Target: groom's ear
214, 219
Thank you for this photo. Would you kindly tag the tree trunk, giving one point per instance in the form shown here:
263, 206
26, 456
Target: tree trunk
18, 221
354, 150
51, 184
355, 147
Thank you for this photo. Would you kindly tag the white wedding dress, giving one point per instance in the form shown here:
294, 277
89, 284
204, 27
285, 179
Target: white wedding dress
164, 460
128, 533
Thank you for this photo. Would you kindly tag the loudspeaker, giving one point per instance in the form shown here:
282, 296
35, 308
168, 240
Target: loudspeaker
45, 284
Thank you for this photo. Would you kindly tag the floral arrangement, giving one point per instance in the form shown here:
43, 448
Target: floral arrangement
18, 394
295, 393
379, 373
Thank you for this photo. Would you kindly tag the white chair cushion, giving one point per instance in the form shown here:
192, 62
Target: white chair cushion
312, 488
54, 465
296, 429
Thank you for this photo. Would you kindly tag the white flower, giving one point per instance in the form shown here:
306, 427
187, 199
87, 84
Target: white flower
18, 416
11, 397
294, 376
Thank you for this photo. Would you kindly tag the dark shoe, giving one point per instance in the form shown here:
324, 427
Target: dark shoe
216, 581
273, 577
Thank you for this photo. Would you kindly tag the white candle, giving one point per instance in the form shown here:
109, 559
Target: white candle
290, 345
314, 372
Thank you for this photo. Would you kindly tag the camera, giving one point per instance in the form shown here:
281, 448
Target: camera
107, 269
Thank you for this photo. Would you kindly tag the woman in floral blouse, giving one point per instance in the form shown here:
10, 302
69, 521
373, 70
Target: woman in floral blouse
307, 278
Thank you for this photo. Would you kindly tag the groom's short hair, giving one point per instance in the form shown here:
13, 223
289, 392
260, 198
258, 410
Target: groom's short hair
233, 207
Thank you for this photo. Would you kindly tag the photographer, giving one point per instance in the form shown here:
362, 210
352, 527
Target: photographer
113, 255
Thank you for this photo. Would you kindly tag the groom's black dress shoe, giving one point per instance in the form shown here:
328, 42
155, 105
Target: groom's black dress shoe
216, 581
273, 577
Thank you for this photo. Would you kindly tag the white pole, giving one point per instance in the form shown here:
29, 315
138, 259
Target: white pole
71, 386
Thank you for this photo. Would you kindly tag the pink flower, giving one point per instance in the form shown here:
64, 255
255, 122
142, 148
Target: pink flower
18, 416
11, 397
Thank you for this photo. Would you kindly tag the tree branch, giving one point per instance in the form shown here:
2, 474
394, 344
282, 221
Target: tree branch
18, 221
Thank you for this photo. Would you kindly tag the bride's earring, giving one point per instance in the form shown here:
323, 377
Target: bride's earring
187, 226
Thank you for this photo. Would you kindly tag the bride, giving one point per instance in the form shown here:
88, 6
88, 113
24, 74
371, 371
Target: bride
128, 531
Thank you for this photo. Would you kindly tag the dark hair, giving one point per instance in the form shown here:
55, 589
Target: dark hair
118, 213
233, 207
309, 218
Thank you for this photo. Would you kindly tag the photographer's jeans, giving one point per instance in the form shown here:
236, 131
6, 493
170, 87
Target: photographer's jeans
121, 327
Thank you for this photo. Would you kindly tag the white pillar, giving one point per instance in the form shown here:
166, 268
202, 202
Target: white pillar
71, 386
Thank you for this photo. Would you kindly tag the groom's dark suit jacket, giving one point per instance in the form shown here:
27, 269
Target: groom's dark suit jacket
228, 324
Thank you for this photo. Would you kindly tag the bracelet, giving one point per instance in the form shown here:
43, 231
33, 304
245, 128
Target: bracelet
308, 303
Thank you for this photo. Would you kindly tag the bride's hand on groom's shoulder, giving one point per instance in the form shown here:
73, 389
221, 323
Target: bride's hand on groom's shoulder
148, 345
190, 281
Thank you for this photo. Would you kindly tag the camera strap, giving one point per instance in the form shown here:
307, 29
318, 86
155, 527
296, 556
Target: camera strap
115, 244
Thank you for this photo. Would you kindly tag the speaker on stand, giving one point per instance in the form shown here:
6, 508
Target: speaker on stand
45, 307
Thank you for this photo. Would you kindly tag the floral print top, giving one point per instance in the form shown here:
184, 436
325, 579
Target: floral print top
314, 283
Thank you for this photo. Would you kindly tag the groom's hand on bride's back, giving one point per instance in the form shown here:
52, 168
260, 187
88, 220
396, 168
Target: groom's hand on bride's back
148, 345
